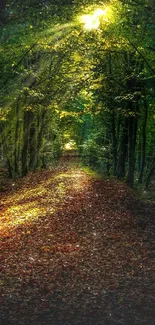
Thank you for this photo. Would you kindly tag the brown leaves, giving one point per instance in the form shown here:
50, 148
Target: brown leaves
69, 239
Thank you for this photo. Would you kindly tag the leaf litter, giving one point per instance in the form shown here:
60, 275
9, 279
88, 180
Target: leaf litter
73, 251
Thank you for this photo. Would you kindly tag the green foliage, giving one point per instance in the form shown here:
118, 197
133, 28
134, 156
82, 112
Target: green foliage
95, 85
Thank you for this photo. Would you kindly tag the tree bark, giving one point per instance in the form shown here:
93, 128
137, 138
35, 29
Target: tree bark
132, 133
33, 143
114, 143
6, 153
26, 128
41, 126
150, 174
122, 151
16, 139
143, 147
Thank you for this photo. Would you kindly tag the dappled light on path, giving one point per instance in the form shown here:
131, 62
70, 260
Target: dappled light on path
33, 201
70, 246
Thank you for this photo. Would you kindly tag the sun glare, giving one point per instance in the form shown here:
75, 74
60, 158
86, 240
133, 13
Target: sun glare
93, 21
71, 145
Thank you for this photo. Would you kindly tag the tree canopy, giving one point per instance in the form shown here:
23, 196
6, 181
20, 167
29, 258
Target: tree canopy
80, 71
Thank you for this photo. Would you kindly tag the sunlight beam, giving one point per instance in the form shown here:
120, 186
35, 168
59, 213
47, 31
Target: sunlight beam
93, 21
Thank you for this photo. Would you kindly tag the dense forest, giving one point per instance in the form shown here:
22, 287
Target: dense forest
78, 74
77, 162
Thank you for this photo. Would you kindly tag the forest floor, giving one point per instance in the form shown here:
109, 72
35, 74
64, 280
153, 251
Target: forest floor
75, 249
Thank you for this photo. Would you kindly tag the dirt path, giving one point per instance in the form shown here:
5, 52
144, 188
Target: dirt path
73, 251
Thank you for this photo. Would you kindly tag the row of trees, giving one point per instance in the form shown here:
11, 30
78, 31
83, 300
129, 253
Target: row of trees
95, 85
123, 93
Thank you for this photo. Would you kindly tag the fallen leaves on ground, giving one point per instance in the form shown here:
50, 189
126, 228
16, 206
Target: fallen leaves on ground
72, 251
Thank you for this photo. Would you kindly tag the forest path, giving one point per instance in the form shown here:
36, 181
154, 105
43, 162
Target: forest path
72, 252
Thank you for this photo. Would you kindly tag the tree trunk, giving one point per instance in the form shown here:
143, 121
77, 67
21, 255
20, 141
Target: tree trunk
16, 156
150, 174
6, 153
143, 147
122, 151
134, 88
41, 126
114, 143
113, 122
139, 155
26, 128
132, 133
33, 143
